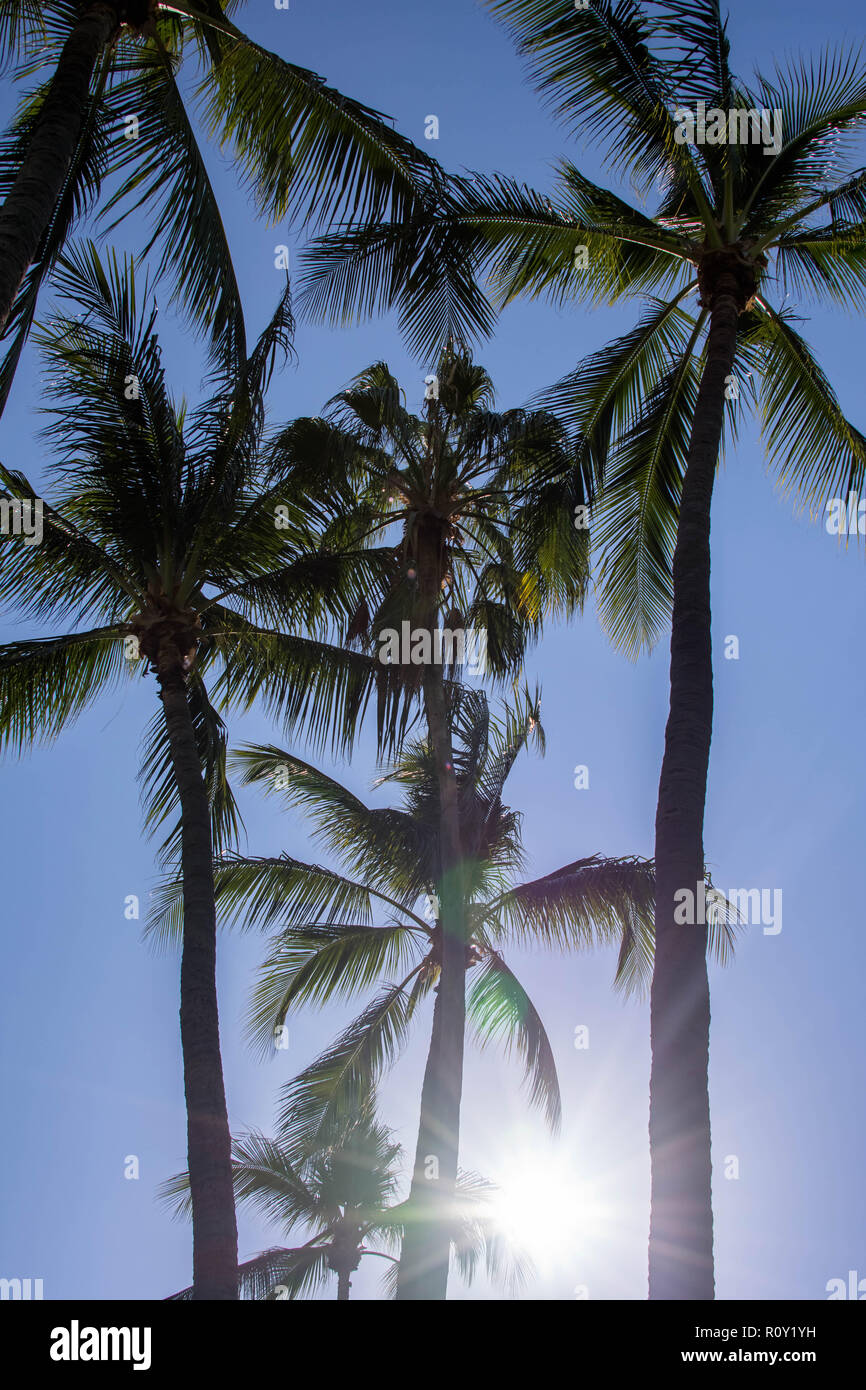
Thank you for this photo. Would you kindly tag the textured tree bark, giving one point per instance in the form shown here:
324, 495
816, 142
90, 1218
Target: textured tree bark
681, 1228
29, 206
215, 1236
344, 1283
426, 1249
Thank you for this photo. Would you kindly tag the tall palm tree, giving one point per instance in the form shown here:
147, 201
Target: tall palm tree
482, 505
329, 944
343, 1190
160, 541
108, 104
731, 221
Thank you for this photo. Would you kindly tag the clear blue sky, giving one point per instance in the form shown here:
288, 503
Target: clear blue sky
90, 1056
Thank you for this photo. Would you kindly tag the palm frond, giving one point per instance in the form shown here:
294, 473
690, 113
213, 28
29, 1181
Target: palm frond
816, 452
158, 783
279, 1274
636, 516
335, 1084
385, 844
164, 172
597, 72
305, 146
320, 962
47, 682
499, 1010
586, 903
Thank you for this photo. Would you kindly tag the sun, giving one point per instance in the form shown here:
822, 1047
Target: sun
547, 1210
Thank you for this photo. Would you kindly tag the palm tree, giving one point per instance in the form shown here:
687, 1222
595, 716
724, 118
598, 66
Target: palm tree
731, 219
483, 502
343, 1190
329, 945
108, 104
161, 543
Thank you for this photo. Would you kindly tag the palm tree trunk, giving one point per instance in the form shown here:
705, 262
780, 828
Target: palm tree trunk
681, 1229
215, 1235
29, 206
426, 1248
344, 1283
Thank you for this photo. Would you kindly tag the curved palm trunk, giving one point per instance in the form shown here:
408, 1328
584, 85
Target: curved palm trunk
426, 1249
681, 1230
215, 1235
29, 206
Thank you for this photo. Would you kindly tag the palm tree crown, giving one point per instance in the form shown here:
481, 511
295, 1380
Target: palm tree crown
342, 1194
108, 109
329, 945
160, 537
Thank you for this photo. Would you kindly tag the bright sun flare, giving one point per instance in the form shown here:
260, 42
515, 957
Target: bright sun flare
545, 1209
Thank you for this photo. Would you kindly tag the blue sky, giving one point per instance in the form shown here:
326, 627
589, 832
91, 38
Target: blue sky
90, 1055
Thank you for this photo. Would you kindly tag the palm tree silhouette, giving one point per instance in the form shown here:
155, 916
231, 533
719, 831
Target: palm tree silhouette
161, 539
343, 1190
649, 410
329, 946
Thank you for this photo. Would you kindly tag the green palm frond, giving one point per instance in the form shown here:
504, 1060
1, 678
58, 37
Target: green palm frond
586, 903
279, 1274
480, 1242
265, 1177
159, 795
814, 449
422, 267
81, 190
506, 739
383, 843
302, 147
335, 1084
114, 418
24, 23
305, 146
605, 393
636, 522
596, 70
67, 573
822, 101
499, 1010
692, 38
825, 261
228, 427
319, 962
263, 893
47, 682
163, 171
311, 687
587, 245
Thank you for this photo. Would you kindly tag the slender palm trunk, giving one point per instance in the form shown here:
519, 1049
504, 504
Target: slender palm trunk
215, 1236
29, 206
681, 1230
344, 1283
426, 1249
